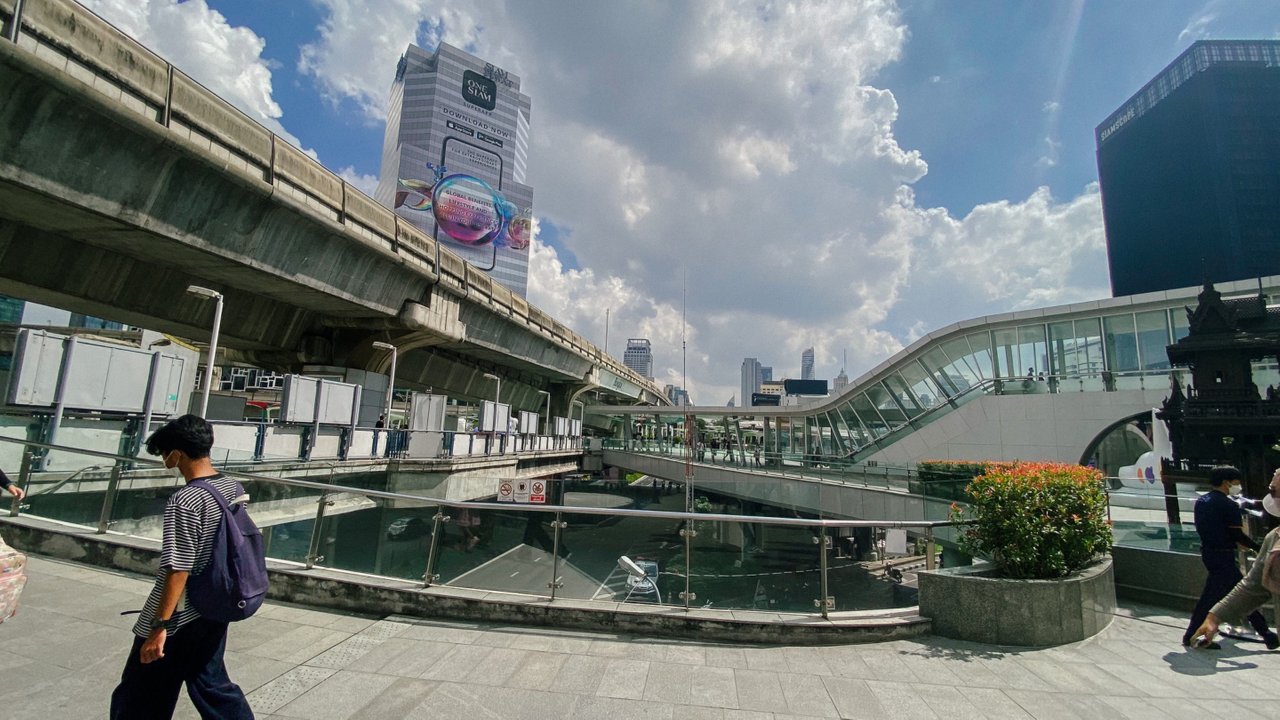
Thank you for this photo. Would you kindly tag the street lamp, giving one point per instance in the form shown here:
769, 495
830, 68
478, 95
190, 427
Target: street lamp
497, 394
207, 294
391, 379
546, 423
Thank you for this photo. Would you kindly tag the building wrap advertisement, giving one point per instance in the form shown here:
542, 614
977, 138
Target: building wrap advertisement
460, 174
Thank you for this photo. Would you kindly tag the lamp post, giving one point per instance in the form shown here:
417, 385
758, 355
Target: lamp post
207, 294
497, 394
391, 379
546, 421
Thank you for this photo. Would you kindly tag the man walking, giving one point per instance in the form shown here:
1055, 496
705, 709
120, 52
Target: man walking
173, 644
1219, 523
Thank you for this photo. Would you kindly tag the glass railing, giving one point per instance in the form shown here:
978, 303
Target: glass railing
594, 544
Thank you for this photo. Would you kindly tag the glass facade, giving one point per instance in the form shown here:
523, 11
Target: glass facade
1190, 189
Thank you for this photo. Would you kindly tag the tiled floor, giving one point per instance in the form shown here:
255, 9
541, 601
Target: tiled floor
61, 656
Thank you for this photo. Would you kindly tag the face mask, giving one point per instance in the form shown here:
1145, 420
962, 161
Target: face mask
175, 472
1235, 491
1271, 505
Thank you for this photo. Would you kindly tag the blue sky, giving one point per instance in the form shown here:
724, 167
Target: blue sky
841, 174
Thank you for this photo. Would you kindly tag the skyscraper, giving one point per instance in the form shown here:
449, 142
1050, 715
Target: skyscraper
639, 356
1190, 171
766, 374
752, 376
453, 159
11, 310
806, 365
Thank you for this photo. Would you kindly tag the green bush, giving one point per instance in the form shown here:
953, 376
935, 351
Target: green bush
1036, 520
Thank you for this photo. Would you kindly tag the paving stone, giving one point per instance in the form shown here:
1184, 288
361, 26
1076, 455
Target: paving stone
759, 690
284, 689
623, 679
338, 696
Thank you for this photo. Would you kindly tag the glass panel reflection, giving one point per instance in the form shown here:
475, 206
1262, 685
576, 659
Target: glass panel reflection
1153, 338
1121, 343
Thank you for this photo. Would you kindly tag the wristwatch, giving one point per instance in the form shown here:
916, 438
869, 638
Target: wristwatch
169, 624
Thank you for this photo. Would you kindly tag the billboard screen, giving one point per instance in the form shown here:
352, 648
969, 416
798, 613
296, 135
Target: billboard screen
805, 387
765, 400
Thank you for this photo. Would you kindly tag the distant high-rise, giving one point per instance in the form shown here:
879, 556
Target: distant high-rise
806, 365
1190, 171
11, 310
766, 374
751, 378
456, 144
839, 382
677, 395
639, 356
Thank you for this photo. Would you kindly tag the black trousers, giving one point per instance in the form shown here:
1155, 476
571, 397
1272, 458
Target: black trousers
1223, 575
192, 655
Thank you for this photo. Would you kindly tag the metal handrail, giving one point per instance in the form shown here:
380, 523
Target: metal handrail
687, 533
461, 504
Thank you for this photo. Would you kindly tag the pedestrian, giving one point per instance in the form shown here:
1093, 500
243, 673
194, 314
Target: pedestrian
1254, 589
1219, 522
755, 453
382, 422
12, 487
172, 643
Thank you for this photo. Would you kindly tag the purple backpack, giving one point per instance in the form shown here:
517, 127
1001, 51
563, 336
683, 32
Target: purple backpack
234, 583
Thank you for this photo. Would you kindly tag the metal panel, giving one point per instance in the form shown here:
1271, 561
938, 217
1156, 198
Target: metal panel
427, 411
298, 400
102, 376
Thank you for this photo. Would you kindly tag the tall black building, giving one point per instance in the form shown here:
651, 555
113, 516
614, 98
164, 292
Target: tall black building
1190, 171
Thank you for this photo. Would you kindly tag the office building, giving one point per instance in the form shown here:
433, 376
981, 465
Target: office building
11, 310
639, 356
751, 378
677, 395
455, 150
766, 374
839, 382
1190, 171
806, 365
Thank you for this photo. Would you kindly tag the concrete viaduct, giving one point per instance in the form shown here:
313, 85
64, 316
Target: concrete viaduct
123, 181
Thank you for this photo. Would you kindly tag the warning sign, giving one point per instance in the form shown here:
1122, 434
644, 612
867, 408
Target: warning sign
538, 492
506, 491
522, 491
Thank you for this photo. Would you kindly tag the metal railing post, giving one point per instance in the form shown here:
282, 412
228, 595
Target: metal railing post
313, 551
436, 522
688, 533
109, 501
556, 525
930, 561
24, 480
823, 604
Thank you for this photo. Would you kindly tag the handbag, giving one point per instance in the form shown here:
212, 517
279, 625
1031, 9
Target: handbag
13, 577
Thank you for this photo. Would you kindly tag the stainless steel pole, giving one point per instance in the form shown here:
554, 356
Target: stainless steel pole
556, 525
436, 521
109, 501
822, 564
313, 551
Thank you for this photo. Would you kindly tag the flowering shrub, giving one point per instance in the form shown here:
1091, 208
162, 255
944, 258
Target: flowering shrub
1036, 520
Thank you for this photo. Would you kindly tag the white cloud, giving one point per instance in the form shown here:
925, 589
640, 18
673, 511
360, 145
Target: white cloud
745, 147
200, 42
1198, 27
364, 183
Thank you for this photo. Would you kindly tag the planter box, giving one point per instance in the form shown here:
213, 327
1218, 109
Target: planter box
966, 603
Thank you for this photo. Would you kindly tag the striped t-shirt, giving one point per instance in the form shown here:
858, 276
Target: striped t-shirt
191, 518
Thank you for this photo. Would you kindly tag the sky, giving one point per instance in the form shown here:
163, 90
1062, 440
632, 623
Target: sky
848, 175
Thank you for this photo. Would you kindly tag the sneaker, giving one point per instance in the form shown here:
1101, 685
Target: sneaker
1272, 640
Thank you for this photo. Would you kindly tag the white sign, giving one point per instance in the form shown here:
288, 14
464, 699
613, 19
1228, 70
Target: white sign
895, 541
506, 491
522, 491
538, 492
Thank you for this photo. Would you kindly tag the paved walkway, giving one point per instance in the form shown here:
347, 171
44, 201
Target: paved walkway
61, 656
